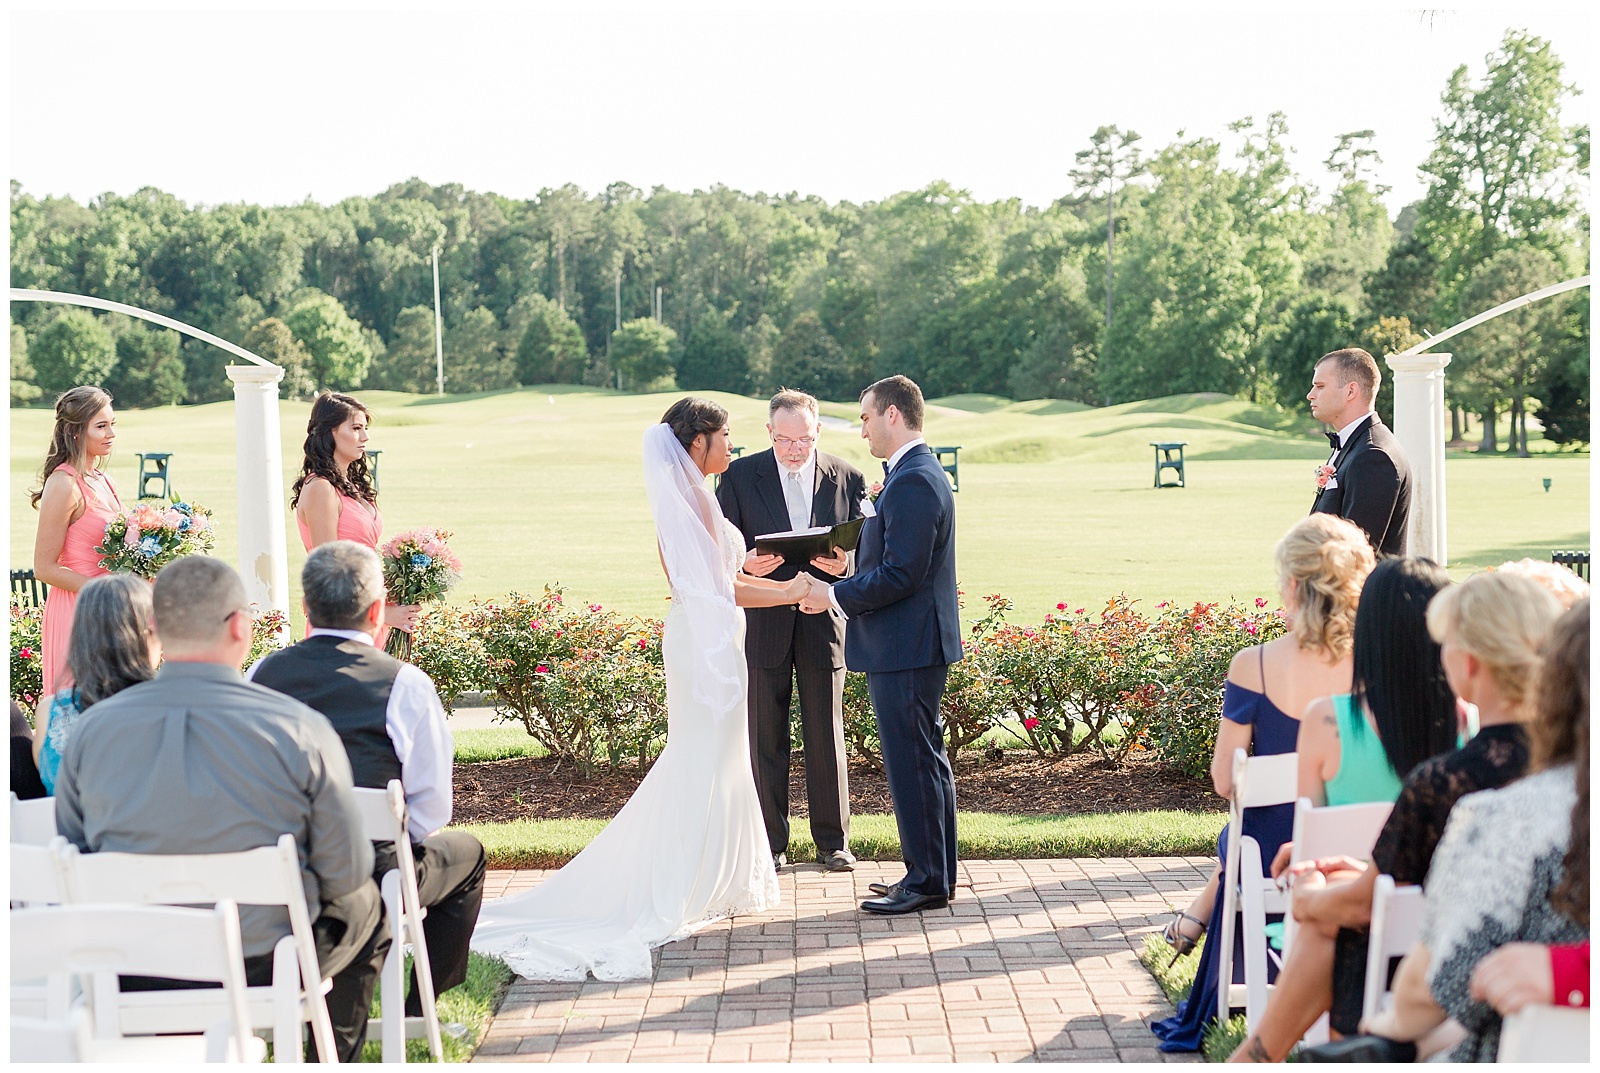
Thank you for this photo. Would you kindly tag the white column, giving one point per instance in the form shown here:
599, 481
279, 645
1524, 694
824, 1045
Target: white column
1421, 427
263, 554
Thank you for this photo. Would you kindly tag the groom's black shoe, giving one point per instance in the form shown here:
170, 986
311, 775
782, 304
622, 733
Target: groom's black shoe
904, 901
885, 889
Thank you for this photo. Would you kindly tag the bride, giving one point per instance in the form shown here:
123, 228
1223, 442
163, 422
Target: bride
689, 847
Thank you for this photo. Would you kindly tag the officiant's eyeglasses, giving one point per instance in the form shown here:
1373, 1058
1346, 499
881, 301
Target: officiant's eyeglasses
786, 443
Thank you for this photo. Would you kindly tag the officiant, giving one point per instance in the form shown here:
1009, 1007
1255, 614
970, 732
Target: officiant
795, 486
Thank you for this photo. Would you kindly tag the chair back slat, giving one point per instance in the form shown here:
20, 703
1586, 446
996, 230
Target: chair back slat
36, 874
1259, 781
1335, 830
1545, 1034
381, 818
1396, 926
33, 823
250, 877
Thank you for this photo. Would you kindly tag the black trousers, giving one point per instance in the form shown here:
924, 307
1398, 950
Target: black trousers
352, 939
450, 871
810, 662
911, 734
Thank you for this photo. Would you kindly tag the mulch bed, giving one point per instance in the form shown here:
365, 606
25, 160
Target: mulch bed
1019, 784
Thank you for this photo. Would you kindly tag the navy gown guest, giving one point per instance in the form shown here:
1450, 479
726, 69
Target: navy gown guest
1322, 563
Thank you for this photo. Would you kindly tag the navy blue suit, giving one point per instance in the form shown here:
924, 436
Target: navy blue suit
904, 631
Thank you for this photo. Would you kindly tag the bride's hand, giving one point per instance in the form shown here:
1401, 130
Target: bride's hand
798, 587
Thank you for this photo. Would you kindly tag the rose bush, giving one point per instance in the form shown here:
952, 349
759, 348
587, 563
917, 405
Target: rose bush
27, 660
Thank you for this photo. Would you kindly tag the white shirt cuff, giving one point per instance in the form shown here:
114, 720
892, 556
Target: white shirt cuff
834, 600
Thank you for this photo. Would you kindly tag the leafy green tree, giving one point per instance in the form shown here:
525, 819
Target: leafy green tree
1563, 391
1112, 158
713, 357
551, 349
271, 339
807, 358
1504, 357
410, 364
148, 370
641, 350
1055, 366
1391, 335
1313, 326
339, 352
23, 389
760, 337
474, 354
1405, 286
74, 348
1358, 235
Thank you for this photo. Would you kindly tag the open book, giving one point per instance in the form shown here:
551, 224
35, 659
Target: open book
803, 545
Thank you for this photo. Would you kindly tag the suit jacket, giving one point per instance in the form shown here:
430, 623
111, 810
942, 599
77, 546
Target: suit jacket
1374, 487
902, 599
751, 495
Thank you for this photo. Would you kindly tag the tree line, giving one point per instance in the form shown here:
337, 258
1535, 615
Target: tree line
1187, 268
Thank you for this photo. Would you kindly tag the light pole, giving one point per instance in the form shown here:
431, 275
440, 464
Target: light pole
438, 323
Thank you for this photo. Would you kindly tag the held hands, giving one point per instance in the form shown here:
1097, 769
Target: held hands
761, 565
815, 601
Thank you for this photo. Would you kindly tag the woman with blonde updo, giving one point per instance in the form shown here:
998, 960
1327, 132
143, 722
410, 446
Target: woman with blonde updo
1322, 562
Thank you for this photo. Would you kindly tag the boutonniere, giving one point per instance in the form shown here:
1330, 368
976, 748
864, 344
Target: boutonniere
1324, 476
874, 491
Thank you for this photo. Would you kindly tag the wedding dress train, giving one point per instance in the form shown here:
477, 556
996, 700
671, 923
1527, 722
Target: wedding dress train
689, 847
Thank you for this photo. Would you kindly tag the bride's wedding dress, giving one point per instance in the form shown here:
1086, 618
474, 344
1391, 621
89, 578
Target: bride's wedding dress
689, 847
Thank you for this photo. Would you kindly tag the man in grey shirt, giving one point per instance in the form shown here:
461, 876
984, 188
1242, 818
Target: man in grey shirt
197, 760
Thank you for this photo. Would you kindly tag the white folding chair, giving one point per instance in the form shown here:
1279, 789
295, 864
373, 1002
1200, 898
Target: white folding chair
383, 814
33, 823
1248, 891
1333, 831
1545, 1034
1396, 926
268, 876
37, 880
105, 940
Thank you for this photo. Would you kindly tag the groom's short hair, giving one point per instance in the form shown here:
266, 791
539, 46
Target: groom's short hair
1355, 364
903, 394
790, 399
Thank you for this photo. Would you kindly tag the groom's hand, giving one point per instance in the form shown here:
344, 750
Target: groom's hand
816, 601
834, 564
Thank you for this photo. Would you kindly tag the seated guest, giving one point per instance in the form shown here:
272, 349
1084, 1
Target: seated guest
1399, 711
1322, 562
389, 717
113, 646
1489, 629
1513, 865
197, 760
25, 781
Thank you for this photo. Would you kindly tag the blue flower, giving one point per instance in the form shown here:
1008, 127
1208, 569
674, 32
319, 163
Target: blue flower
183, 508
149, 546
421, 560
183, 526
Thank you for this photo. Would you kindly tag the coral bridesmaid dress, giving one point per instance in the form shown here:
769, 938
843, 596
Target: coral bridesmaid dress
77, 554
359, 521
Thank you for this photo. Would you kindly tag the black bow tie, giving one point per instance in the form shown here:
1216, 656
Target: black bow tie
1333, 440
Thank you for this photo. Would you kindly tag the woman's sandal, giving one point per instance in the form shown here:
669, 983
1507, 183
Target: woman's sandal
1174, 937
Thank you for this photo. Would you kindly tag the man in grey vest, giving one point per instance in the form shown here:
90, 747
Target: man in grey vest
389, 717
197, 760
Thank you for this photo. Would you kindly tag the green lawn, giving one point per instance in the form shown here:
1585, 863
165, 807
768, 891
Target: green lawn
981, 836
543, 485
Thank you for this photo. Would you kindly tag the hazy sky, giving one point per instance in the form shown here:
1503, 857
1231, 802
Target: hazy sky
855, 101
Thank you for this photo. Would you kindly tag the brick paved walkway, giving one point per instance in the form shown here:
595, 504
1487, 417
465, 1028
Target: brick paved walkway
1033, 960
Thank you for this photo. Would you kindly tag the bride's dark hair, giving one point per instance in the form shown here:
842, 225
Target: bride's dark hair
691, 417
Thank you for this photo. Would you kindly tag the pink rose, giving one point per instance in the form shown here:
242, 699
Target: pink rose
131, 537
26, 653
541, 669
1260, 602
1030, 722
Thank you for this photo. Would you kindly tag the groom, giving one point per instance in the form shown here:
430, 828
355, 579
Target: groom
904, 630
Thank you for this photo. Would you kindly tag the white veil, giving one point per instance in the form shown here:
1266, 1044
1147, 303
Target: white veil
687, 516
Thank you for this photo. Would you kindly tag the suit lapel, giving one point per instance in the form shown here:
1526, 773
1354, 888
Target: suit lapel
824, 492
1358, 440
770, 487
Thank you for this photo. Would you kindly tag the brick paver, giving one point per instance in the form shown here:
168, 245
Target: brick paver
1034, 960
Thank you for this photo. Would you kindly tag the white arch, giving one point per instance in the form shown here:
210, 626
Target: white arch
1504, 307
258, 446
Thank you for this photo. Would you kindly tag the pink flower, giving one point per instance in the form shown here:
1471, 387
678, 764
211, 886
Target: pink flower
1163, 603
1049, 618
1324, 475
558, 633
541, 669
1079, 611
1260, 602
172, 519
594, 607
1030, 722
26, 653
1061, 607
1251, 628
537, 624
131, 537
643, 643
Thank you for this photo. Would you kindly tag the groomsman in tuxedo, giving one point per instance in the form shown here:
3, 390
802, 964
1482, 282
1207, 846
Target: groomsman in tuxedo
904, 631
796, 486
1367, 479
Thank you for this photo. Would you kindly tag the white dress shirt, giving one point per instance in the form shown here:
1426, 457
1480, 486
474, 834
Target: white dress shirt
808, 484
894, 460
1348, 431
418, 729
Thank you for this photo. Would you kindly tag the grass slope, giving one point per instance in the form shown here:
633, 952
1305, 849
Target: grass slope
543, 485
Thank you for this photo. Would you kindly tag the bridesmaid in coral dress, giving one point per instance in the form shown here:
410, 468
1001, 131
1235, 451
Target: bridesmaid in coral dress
333, 499
75, 501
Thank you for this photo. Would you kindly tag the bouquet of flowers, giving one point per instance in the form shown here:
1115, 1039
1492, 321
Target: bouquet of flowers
152, 535
418, 568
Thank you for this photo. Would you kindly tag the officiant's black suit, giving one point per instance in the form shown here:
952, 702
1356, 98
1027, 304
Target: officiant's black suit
904, 632
784, 646
1374, 487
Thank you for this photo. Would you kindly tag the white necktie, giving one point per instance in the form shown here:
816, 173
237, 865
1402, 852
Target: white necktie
795, 498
